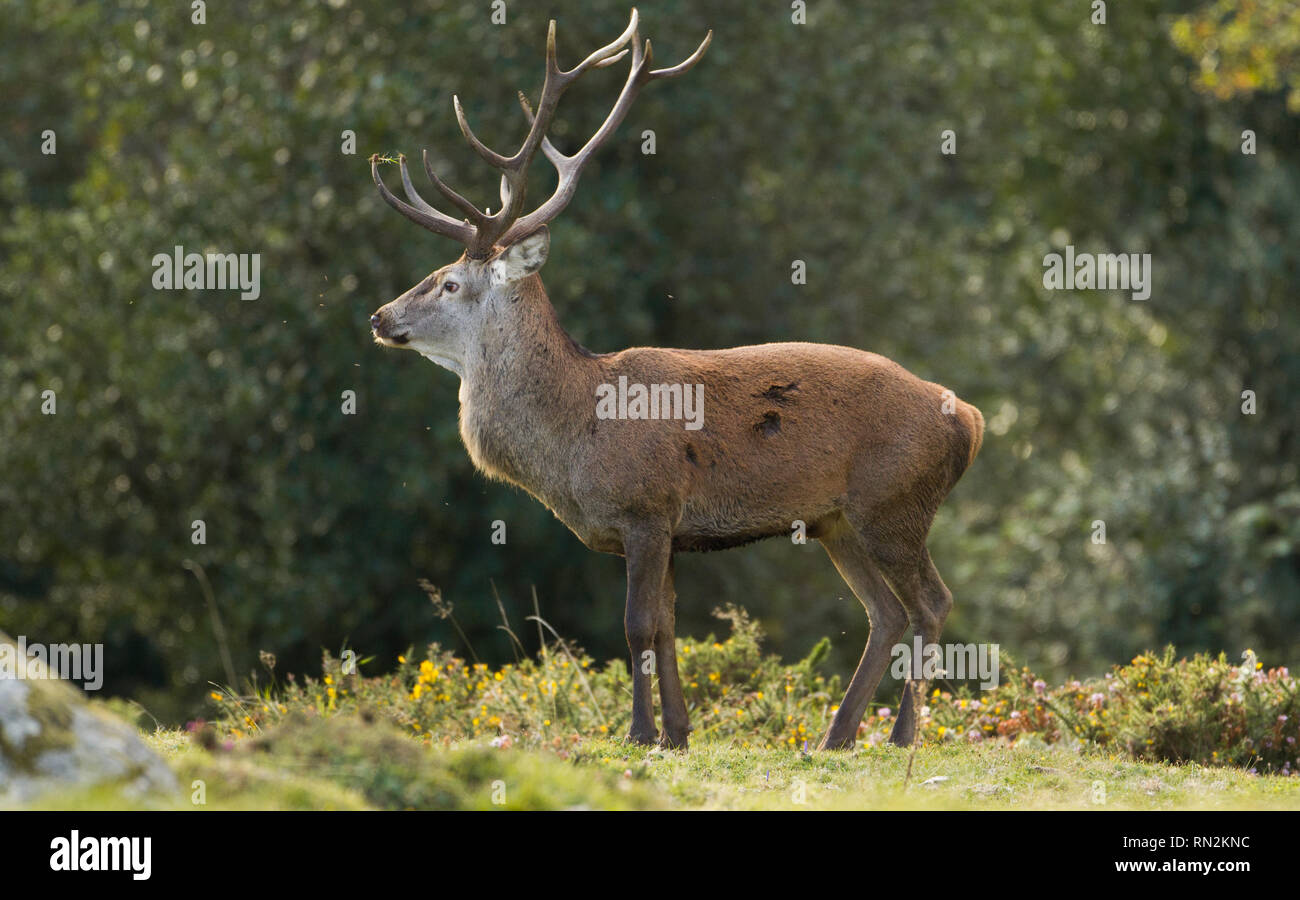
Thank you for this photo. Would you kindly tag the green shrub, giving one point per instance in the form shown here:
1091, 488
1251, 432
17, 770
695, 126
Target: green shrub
1202, 709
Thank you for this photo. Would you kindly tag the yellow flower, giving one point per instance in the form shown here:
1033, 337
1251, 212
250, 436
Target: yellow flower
604, 729
942, 731
401, 659
714, 676
329, 680
499, 676
214, 695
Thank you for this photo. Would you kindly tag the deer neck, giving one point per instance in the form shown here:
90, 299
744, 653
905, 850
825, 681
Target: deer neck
526, 391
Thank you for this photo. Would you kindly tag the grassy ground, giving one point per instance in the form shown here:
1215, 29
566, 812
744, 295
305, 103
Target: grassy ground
348, 763
440, 733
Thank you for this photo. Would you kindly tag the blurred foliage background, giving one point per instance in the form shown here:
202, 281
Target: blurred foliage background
817, 142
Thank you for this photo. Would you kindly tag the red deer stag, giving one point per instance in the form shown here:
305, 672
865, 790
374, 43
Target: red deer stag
846, 441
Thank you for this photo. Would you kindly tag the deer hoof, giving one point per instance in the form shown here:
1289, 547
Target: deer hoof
828, 743
668, 742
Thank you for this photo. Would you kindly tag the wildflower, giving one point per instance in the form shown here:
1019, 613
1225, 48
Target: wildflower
401, 659
329, 679
883, 712
214, 695
1097, 699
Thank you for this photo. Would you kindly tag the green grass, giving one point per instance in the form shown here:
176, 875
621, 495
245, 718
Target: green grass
543, 733
346, 763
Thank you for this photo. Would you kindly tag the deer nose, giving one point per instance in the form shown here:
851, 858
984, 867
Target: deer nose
374, 321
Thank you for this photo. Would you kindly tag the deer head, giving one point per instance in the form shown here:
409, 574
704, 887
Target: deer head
441, 315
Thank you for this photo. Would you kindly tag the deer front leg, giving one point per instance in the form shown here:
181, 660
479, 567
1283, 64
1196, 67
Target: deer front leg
676, 721
648, 552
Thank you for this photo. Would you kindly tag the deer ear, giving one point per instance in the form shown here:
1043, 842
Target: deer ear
522, 258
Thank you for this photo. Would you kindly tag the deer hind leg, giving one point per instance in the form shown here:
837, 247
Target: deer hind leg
649, 554
851, 556
927, 601
676, 721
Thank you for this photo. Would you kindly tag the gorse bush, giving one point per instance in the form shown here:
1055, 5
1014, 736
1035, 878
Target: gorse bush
1204, 709
733, 690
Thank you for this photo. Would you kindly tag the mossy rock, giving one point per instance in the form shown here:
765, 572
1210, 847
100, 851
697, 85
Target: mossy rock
52, 739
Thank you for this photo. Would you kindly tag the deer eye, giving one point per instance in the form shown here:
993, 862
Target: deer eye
450, 287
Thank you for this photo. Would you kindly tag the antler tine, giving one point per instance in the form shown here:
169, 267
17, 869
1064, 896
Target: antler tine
416, 200
685, 65
482, 149
605, 56
425, 216
548, 149
472, 212
570, 167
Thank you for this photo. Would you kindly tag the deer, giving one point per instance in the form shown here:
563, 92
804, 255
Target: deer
848, 443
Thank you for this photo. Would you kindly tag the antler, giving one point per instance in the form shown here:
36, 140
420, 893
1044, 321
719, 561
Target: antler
481, 231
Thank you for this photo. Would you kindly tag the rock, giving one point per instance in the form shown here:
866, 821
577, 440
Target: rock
51, 738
